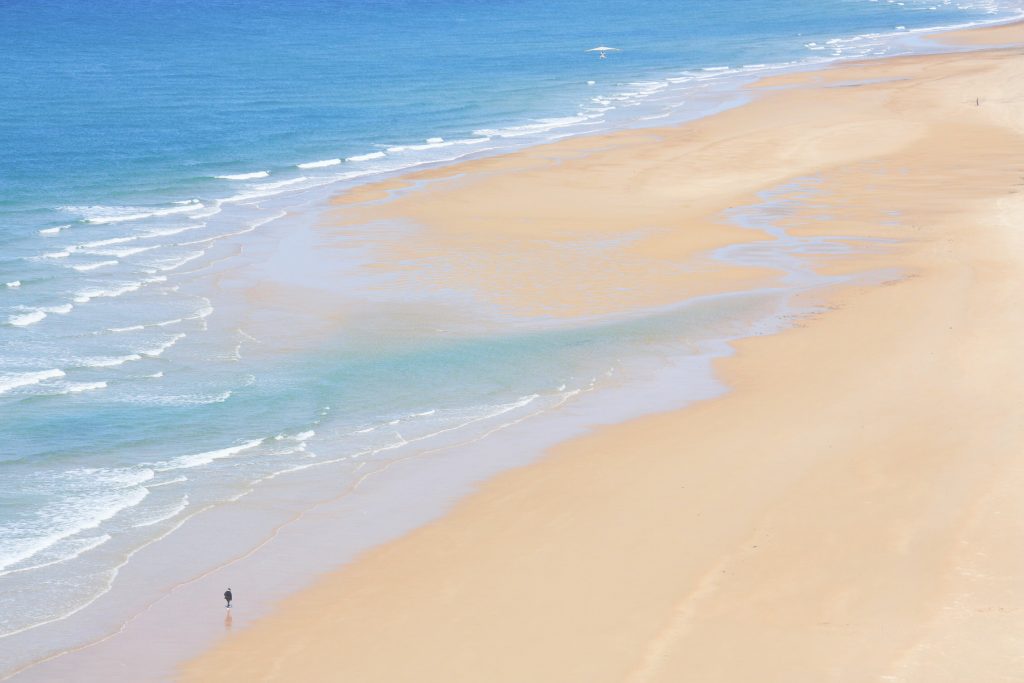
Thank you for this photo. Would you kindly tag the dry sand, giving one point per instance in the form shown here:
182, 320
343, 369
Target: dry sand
850, 511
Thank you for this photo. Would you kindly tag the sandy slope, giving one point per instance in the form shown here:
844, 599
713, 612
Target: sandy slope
851, 511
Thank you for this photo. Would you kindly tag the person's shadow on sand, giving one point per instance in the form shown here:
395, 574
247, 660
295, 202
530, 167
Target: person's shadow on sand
228, 620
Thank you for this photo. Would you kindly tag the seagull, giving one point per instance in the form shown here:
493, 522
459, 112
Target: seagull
602, 49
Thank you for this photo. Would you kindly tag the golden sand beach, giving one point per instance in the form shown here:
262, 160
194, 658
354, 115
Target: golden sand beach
849, 511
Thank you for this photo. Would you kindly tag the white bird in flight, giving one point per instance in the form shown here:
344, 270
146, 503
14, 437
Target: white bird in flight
603, 49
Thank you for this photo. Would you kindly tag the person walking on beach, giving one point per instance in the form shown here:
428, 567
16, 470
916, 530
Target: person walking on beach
227, 597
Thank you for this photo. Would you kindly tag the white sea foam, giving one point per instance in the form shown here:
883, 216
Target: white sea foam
244, 176
120, 253
319, 164
26, 319
179, 400
14, 284
79, 387
250, 228
130, 328
366, 157
204, 458
60, 552
71, 515
437, 143
269, 219
107, 361
104, 243
169, 264
9, 382
214, 238
165, 232
301, 436
93, 266
280, 183
86, 295
261, 190
160, 348
211, 210
404, 148
119, 214
63, 253
54, 230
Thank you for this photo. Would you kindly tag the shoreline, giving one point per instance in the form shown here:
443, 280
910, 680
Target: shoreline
535, 541
724, 281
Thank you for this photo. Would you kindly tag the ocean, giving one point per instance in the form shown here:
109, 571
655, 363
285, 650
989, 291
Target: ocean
155, 151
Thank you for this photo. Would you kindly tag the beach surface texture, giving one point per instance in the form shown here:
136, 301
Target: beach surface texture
849, 510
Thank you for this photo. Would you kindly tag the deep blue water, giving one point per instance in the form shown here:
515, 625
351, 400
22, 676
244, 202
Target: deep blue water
123, 392
103, 102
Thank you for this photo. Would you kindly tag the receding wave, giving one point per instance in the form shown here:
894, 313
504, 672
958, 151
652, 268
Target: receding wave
319, 164
205, 458
64, 551
252, 226
204, 312
160, 348
24, 379
77, 514
166, 265
164, 514
538, 126
243, 176
169, 482
260, 190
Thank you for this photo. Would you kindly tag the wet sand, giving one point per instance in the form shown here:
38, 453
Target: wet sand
849, 511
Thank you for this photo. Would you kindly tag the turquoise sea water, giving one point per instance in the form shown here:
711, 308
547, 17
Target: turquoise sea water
147, 149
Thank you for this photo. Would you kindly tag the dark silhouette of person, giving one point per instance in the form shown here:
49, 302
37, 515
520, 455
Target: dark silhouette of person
227, 597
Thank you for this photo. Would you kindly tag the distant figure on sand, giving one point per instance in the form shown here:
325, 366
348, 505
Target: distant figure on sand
227, 597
